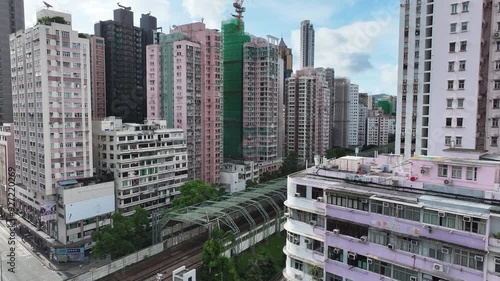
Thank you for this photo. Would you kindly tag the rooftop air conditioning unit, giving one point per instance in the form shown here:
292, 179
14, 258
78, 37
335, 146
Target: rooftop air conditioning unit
337, 251
479, 258
385, 204
313, 223
445, 251
438, 267
336, 231
307, 241
441, 214
390, 246
287, 215
363, 239
319, 199
447, 182
422, 171
297, 194
413, 278
370, 261
496, 35
399, 207
466, 219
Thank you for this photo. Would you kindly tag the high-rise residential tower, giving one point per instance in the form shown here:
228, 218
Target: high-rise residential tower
341, 112
184, 74
11, 20
306, 44
252, 95
448, 62
98, 77
353, 138
52, 112
125, 66
308, 123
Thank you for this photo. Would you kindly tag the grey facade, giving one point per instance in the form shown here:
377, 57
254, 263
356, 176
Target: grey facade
306, 44
330, 79
149, 25
11, 20
125, 67
341, 112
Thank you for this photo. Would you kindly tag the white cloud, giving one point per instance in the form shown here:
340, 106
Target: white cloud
210, 10
388, 78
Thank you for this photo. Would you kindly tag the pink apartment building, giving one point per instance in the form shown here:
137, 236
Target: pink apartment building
192, 56
98, 76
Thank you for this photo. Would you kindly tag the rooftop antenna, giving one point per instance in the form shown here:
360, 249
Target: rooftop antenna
238, 7
47, 5
202, 19
123, 7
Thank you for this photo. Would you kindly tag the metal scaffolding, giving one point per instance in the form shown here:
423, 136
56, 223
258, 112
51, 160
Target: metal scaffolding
228, 208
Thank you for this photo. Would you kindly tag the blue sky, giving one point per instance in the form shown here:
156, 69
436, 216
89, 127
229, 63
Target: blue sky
359, 38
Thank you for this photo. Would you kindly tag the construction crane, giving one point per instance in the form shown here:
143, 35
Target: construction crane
121, 6
238, 7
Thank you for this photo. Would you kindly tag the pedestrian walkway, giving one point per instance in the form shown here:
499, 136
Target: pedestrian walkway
67, 269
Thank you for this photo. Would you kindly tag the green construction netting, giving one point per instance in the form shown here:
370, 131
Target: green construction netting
234, 38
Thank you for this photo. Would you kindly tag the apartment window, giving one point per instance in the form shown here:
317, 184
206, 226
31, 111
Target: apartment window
450, 84
465, 6
453, 27
471, 173
497, 84
454, 8
451, 66
296, 264
465, 26
458, 141
448, 122
442, 170
498, 43
494, 141
461, 84
494, 122
335, 254
497, 264
456, 172
453, 45
497, 65
460, 122
461, 65
449, 103
463, 46
496, 103
294, 238
460, 103
467, 258
447, 140
301, 190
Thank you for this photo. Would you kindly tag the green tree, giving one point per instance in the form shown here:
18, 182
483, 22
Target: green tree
290, 164
267, 176
194, 192
47, 20
337, 152
315, 272
126, 235
250, 183
215, 266
261, 268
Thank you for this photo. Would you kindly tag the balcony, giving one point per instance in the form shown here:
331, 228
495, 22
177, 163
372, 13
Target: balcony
407, 227
402, 258
312, 205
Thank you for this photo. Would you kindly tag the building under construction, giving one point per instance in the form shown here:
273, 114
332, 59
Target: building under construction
253, 93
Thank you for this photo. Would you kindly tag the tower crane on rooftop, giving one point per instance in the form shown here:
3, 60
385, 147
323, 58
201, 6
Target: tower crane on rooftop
238, 7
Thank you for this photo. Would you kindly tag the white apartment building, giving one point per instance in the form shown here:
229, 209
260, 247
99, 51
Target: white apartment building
52, 113
448, 71
378, 130
353, 132
148, 161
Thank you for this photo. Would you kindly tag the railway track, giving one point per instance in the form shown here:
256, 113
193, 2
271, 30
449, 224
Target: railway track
170, 258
